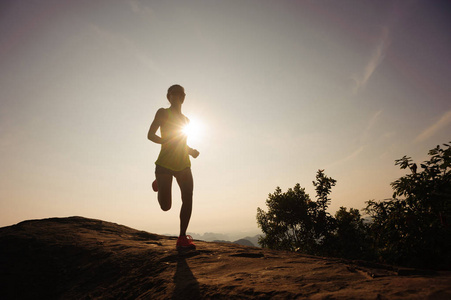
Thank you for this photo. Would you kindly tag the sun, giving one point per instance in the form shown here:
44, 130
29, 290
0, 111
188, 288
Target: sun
194, 130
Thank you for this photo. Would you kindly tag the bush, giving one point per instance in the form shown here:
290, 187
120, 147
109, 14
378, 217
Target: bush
412, 229
350, 238
294, 222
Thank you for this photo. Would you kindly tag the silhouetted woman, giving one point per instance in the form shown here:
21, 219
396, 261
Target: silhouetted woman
173, 160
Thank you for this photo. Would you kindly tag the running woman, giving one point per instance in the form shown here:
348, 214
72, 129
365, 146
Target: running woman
173, 160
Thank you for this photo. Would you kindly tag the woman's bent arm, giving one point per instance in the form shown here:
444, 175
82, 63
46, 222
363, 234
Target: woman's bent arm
151, 135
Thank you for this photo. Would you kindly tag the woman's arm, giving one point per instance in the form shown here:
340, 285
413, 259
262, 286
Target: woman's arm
158, 120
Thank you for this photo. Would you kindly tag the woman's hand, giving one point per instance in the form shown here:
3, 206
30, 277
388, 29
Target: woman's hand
193, 152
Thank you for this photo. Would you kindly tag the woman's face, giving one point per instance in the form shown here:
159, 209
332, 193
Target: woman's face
177, 96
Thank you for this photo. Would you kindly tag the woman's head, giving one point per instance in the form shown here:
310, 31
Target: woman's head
176, 92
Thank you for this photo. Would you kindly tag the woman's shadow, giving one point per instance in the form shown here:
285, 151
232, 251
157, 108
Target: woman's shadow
186, 285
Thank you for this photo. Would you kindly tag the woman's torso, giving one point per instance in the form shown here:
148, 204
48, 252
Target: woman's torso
174, 150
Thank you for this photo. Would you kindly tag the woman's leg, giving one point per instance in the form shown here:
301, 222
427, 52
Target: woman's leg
164, 182
186, 184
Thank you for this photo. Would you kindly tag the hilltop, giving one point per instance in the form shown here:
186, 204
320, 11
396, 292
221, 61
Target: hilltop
79, 258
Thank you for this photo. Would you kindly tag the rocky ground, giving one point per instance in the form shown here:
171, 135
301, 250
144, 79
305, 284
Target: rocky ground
78, 258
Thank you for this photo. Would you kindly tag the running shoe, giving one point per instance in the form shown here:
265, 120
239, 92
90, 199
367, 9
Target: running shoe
185, 242
155, 186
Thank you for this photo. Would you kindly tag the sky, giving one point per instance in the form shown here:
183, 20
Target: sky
280, 89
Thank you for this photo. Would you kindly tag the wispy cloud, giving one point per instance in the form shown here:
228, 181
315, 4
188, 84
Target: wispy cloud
434, 128
139, 8
375, 60
371, 122
363, 141
347, 158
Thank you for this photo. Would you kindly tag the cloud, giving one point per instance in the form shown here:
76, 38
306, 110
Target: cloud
370, 124
434, 128
139, 8
363, 141
375, 60
347, 158
364, 136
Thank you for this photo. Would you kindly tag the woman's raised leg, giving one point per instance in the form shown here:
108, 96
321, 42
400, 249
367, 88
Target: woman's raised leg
164, 182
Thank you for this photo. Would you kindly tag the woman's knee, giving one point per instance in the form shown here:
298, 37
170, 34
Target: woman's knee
164, 193
165, 208
165, 203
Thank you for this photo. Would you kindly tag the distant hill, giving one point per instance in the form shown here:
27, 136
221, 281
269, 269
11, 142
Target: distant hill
253, 239
244, 242
79, 258
210, 236
223, 238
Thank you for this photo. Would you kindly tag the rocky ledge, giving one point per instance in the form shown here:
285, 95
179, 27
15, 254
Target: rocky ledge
79, 258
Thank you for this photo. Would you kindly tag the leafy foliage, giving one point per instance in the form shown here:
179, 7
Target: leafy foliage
294, 222
323, 186
412, 228
350, 238
287, 224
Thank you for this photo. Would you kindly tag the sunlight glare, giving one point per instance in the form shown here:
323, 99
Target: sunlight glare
194, 130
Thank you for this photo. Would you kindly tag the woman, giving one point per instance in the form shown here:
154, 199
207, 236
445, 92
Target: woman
173, 160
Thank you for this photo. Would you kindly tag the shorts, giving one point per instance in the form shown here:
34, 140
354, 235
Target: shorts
162, 170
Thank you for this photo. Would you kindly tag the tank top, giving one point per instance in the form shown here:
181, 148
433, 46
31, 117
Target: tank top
174, 152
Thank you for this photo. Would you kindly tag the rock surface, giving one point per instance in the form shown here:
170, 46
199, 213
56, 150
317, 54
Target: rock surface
78, 258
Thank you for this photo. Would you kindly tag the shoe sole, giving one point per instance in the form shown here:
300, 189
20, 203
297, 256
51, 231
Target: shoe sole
155, 186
